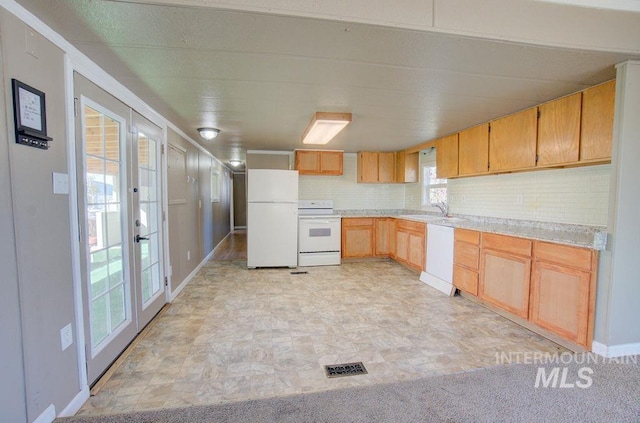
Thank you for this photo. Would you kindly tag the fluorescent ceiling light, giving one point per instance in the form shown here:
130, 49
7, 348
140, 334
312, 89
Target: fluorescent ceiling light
324, 126
208, 133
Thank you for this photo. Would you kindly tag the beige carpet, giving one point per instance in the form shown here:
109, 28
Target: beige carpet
503, 393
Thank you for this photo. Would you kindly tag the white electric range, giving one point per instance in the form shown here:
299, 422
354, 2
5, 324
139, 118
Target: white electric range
319, 233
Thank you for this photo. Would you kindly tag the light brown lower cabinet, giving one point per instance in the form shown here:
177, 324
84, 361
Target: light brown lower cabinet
410, 243
563, 291
505, 273
358, 237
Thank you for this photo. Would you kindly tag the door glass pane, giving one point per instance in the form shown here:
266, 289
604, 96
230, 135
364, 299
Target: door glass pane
116, 303
112, 139
104, 172
99, 320
98, 271
144, 254
115, 266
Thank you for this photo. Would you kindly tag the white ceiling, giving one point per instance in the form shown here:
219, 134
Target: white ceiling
260, 77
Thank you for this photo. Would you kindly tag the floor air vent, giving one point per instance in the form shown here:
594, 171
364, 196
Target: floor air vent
348, 369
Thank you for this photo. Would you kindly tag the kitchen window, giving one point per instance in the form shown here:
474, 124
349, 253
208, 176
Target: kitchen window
434, 189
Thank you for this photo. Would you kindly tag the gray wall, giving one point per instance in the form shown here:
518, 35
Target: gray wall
268, 161
617, 311
42, 234
196, 225
12, 395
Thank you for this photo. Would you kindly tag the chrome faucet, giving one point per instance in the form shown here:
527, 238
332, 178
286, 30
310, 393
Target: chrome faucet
444, 208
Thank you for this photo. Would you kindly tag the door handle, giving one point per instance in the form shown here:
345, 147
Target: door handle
140, 238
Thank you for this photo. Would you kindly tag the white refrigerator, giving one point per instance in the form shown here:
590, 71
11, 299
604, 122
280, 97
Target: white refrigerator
272, 218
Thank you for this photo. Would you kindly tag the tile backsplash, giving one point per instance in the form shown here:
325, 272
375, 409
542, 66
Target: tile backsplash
575, 195
346, 193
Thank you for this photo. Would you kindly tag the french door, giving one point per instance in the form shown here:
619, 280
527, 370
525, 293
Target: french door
119, 210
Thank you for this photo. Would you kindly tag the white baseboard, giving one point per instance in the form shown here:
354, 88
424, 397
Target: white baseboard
47, 415
186, 280
74, 406
612, 351
437, 283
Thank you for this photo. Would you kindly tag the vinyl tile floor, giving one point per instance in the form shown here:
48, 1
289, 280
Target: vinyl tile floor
236, 334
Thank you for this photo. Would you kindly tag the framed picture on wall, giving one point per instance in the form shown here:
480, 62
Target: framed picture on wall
30, 115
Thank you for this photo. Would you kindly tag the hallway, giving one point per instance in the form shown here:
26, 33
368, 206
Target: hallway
236, 334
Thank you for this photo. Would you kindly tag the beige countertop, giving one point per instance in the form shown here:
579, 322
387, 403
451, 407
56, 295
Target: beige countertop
593, 237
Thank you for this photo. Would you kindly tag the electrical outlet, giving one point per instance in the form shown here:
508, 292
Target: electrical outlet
520, 199
188, 255
66, 337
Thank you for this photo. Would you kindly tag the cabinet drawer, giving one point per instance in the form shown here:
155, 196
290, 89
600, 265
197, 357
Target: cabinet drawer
563, 254
466, 235
466, 255
410, 225
506, 243
465, 279
357, 221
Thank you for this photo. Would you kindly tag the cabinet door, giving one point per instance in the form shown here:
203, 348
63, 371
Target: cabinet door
465, 279
331, 162
560, 300
308, 162
512, 141
473, 150
386, 167
559, 131
505, 280
367, 166
407, 167
382, 237
357, 241
596, 132
416, 256
447, 156
402, 246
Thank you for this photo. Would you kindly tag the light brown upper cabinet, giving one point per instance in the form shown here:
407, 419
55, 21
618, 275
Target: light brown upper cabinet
447, 156
376, 167
319, 162
596, 132
512, 141
559, 131
473, 150
407, 167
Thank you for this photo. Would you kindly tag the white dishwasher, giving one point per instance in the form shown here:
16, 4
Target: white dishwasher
439, 257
